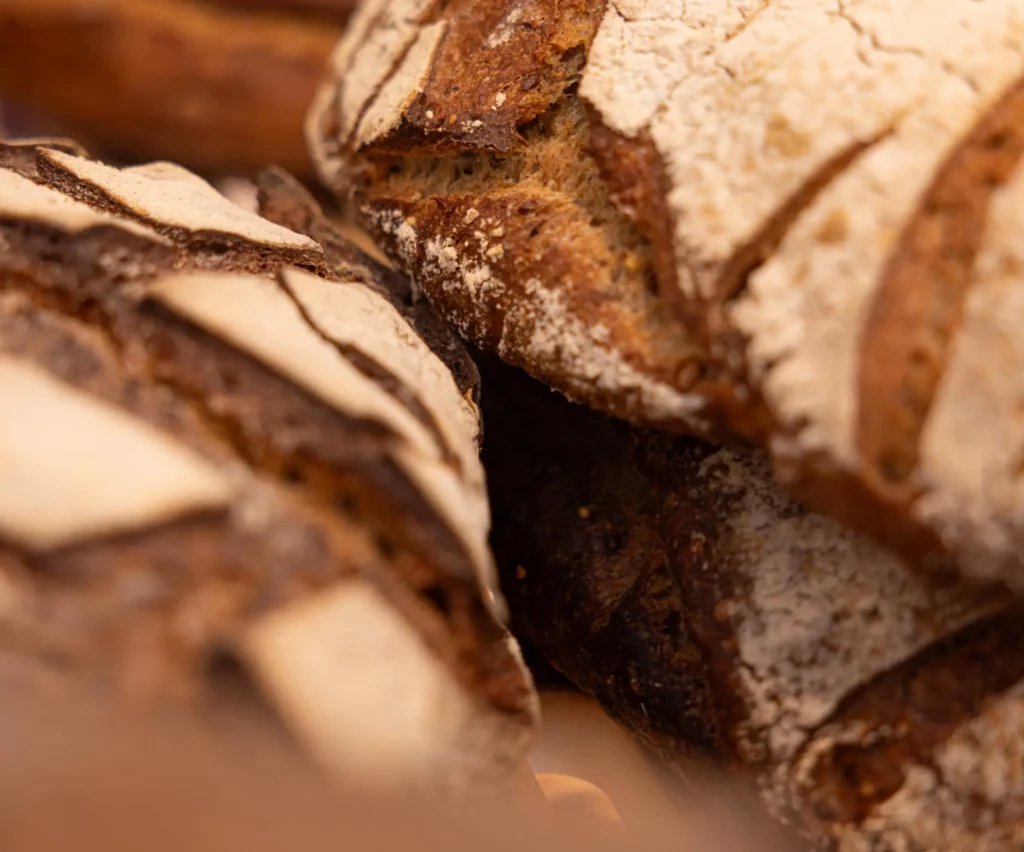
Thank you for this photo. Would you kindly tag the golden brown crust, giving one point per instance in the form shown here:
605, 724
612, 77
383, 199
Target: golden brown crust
635, 176
780, 268
549, 272
218, 89
508, 271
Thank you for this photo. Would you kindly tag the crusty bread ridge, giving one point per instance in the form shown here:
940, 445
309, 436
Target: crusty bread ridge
271, 464
671, 212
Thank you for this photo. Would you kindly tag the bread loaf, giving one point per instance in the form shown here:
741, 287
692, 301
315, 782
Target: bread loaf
585, 565
208, 451
671, 212
875, 708
217, 85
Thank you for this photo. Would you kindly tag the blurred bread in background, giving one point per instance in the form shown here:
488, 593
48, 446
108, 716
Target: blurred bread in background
219, 86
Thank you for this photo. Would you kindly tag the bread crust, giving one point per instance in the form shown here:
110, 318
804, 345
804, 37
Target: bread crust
586, 568
219, 87
771, 264
725, 624
317, 464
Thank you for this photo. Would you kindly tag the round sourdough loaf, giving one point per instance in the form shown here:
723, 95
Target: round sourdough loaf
209, 452
792, 222
873, 708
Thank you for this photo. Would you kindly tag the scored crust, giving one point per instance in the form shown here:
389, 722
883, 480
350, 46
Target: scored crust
167, 343
313, 387
864, 699
112, 473
501, 243
696, 230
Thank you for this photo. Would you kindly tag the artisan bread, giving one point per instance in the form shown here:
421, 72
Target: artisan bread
790, 223
216, 85
210, 451
873, 709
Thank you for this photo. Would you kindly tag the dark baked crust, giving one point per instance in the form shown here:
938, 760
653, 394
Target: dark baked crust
150, 609
585, 567
537, 51
19, 155
272, 422
723, 623
336, 493
915, 689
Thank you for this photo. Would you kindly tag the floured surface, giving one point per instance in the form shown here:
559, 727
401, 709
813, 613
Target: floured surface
730, 202
375, 39
352, 314
397, 94
256, 315
169, 196
554, 335
556, 332
759, 103
322, 497
970, 799
22, 199
819, 610
359, 687
643, 51
977, 407
74, 468
755, 112
799, 321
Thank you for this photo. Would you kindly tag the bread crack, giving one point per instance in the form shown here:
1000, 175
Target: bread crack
379, 374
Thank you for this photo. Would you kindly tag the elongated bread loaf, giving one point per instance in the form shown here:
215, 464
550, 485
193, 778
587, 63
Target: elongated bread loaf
217, 85
794, 222
207, 450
